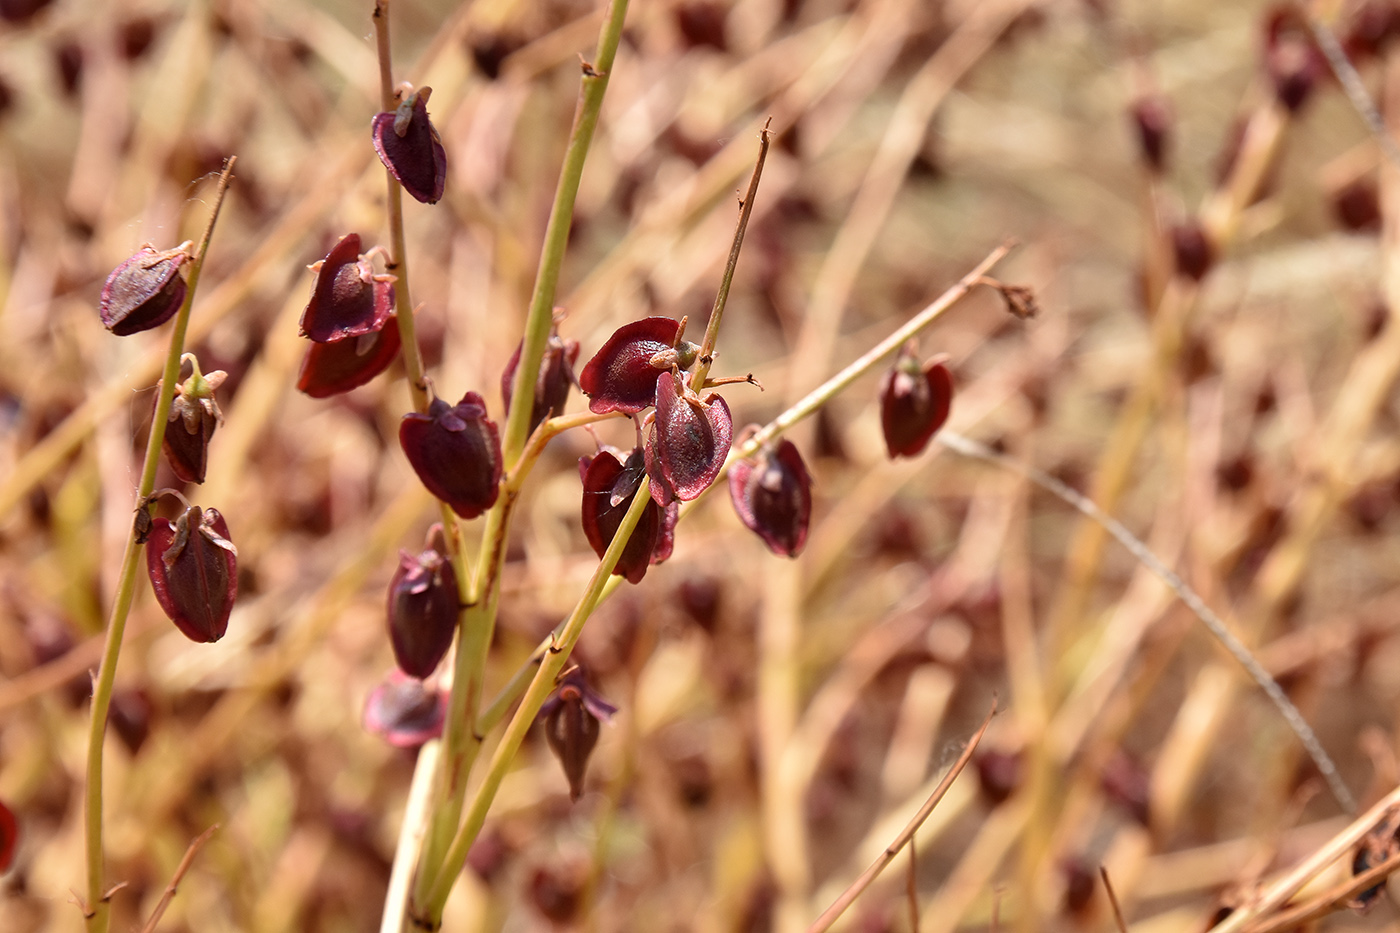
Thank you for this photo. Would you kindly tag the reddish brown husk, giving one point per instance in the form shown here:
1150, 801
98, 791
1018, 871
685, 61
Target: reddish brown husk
405, 711
193, 418
914, 403
772, 493
143, 292
410, 148
193, 569
422, 609
347, 300
621, 376
456, 452
333, 368
688, 440
9, 837
553, 383
571, 719
609, 484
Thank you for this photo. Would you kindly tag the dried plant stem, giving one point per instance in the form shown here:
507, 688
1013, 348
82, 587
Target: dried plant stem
173, 886
411, 831
848, 897
1352, 84
707, 347
550, 668
1216, 626
95, 909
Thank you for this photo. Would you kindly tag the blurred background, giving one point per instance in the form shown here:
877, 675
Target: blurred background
1211, 240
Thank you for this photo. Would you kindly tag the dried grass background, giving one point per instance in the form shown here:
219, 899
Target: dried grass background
780, 720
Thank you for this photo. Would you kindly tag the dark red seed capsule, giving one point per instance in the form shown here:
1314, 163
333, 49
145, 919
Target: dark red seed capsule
914, 403
571, 716
143, 292
410, 148
687, 442
621, 376
422, 610
772, 494
609, 484
194, 414
456, 452
333, 368
405, 711
193, 569
9, 837
553, 383
349, 298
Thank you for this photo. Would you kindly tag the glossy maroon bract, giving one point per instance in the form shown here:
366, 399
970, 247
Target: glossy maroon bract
333, 368
143, 292
571, 716
621, 376
193, 569
914, 403
552, 385
405, 711
349, 299
456, 452
772, 494
410, 148
609, 483
422, 608
687, 442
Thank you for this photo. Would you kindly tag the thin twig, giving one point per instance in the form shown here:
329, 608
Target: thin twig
1352, 84
1237, 649
1328, 902
1113, 901
848, 897
911, 886
175, 879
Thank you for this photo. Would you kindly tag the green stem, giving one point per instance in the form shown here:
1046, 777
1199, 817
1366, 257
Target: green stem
95, 909
707, 347
540, 687
556, 234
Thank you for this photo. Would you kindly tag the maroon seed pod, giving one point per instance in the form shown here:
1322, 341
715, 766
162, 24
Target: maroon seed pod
557, 892
609, 484
194, 414
1357, 206
423, 607
9, 837
914, 403
622, 374
193, 569
553, 383
999, 774
772, 493
410, 148
688, 440
1291, 56
334, 368
405, 711
1152, 117
456, 452
1192, 250
145, 291
571, 719
348, 299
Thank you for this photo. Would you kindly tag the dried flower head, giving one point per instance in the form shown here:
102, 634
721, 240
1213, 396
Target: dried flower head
688, 440
410, 148
571, 716
621, 376
349, 299
609, 484
194, 414
423, 607
456, 452
772, 493
193, 569
333, 368
405, 711
914, 402
552, 384
145, 291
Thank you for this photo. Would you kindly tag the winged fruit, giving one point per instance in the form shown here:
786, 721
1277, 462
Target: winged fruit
194, 572
772, 493
688, 441
410, 148
423, 607
145, 291
914, 403
456, 452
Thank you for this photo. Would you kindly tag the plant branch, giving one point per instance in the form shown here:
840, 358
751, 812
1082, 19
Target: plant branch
173, 886
95, 910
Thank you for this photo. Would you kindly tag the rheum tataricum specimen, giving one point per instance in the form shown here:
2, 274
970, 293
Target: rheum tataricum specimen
609, 483
687, 442
914, 402
193, 569
571, 717
456, 452
350, 321
145, 291
194, 414
422, 607
409, 146
553, 383
772, 493
621, 376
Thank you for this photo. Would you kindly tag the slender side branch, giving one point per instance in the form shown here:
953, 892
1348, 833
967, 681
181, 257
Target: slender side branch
848, 897
175, 879
1238, 650
95, 910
